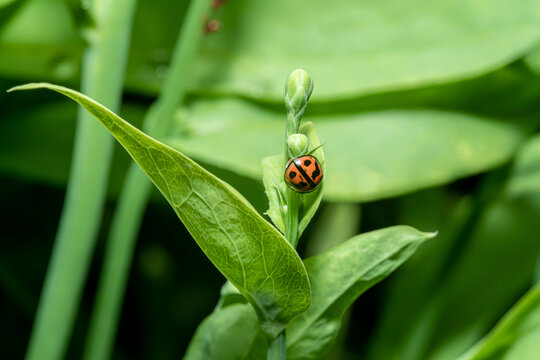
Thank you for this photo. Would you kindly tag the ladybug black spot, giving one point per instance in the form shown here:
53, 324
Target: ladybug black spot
316, 172
301, 185
307, 162
292, 175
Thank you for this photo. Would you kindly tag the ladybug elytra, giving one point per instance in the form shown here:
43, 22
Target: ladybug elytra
303, 174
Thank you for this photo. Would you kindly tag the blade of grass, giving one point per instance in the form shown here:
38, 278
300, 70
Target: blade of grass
104, 66
134, 196
520, 321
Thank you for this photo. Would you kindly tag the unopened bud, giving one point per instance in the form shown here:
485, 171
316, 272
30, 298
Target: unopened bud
298, 89
298, 145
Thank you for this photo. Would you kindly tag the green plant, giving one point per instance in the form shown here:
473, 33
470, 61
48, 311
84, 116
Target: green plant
104, 66
305, 299
429, 113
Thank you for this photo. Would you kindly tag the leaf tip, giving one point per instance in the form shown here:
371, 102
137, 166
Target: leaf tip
28, 86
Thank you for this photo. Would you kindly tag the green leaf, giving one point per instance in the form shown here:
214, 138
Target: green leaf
504, 246
230, 333
368, 155
511, 337
350, 48
8, 8
526, 178
533, 60
273, 184
4, 3
338, 276
273, 170
250, 252
405, 314
30, 52
353, 48
449, 311
229, 295
510, 92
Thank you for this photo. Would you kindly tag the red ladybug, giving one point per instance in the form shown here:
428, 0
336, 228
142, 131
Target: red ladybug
303, 174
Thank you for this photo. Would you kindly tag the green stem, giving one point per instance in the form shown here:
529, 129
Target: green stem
104, 66
134, 196
298, 89
278, 348
291, 226
116, 263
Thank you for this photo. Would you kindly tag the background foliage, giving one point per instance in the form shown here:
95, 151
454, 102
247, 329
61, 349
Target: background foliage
430, 111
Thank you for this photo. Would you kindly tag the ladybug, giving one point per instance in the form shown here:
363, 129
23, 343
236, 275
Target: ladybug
303, 174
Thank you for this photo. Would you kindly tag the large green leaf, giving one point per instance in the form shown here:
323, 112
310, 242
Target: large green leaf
226, 334
338, 277
510, 92
516, 336
351, 48
439, 304
250, 252
354, 48
368, 155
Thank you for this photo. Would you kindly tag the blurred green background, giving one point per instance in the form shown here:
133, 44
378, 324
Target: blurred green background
430, 111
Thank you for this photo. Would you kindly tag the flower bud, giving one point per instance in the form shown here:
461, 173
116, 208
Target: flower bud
298, 89
298, 145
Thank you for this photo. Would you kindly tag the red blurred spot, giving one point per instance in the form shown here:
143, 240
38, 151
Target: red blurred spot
212, 26
218, 3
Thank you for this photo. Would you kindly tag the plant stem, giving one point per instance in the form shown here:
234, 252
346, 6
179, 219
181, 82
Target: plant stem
104, 66
116, 263
278, 348
291, 226
134, 196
